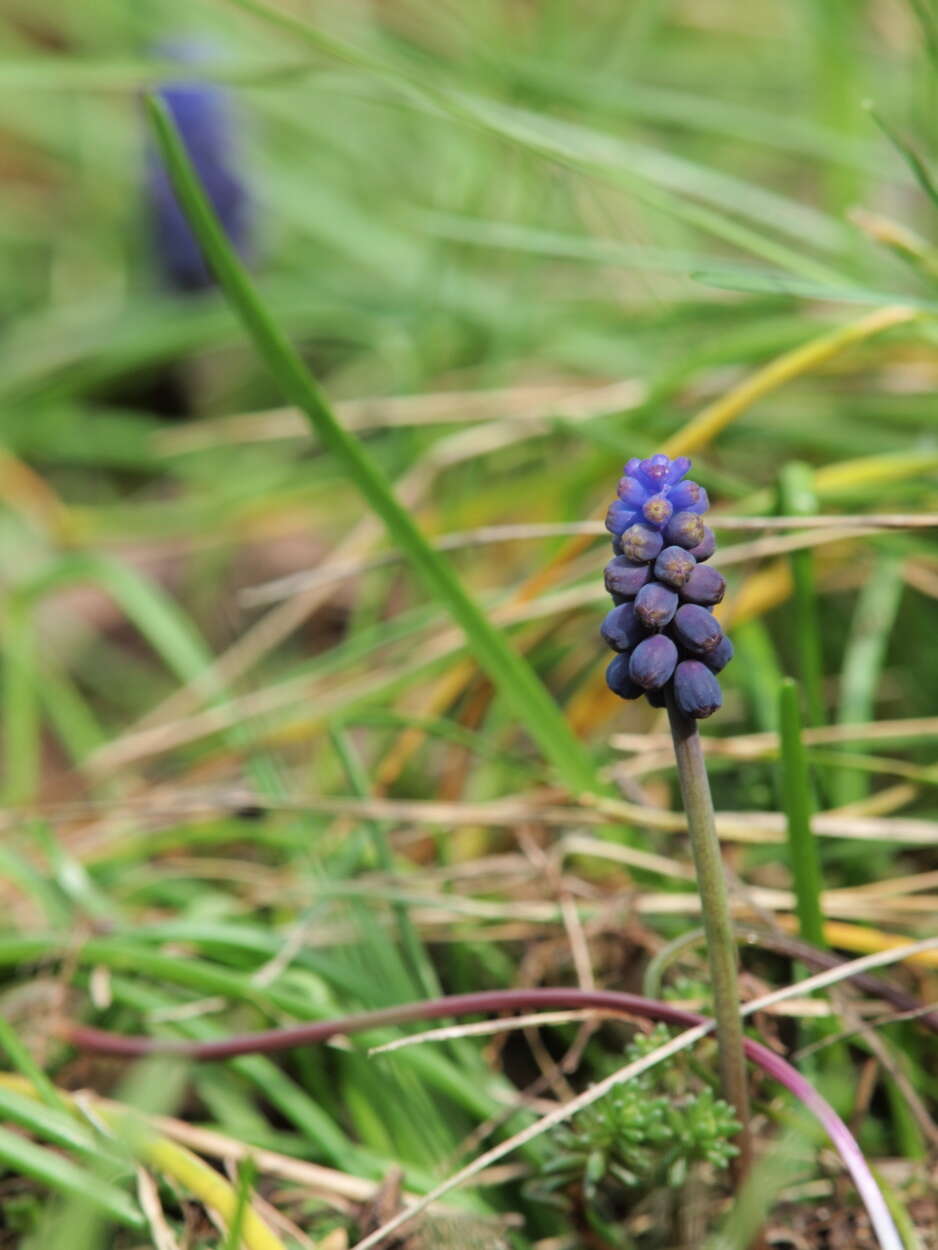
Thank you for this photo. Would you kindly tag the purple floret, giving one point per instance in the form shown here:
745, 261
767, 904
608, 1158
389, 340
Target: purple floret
655, 605
657, 511
696, 629
654, 471
689, 497
632, 492
619, 517
619, 681
679, 466
685, 529
706, 547
641, 544
624, 578
674, 566
696, 691
704, 586
652, 662
622, 628
717, 659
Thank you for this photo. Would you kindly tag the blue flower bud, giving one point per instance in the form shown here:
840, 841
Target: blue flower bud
624, 578
706, 547
717, 659
657, 698
619, 517
704, 586
696, 691
632, 492
696, 629
632, 466
689, 497
619, 681
652, 662
674, 566
685, 529
657, 510
655, 605
622, 629
679, 466
654, 470
641, 544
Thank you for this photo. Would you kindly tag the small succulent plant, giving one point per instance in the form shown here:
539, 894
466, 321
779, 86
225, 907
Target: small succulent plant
662, 625
642, 1134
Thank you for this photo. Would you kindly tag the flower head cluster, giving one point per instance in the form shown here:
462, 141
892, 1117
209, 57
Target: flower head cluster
662, 626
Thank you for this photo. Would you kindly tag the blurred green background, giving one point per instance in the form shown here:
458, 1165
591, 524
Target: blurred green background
517, 243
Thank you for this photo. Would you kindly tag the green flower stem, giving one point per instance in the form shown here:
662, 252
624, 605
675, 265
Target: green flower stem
718, 925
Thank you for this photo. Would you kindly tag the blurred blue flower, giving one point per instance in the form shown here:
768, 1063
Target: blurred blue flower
208, 126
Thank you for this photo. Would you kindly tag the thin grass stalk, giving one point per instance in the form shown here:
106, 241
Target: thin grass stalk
797, 803
415, 957
797, 498
247, 1172
718, 925
870, 630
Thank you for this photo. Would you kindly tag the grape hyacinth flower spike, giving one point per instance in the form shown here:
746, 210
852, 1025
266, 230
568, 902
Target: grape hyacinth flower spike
662, 542
669, 647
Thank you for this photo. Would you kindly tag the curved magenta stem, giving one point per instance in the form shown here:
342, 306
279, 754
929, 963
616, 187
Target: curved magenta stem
488, 1001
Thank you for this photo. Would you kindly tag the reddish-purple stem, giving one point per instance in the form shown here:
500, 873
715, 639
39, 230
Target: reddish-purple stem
513, 1000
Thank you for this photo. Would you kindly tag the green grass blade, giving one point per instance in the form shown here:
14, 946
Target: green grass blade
754, 1200
835, 26
25, 1158
20, 870
20, 1057
652, 176
412, 948
920, 171
873, 619
768, 282
59, 1128
512, 676
928, 17
796, 798
60, 73
171, 634
757, 671
70, 716
22, 747
246, 1174
911, 1235
797, 498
